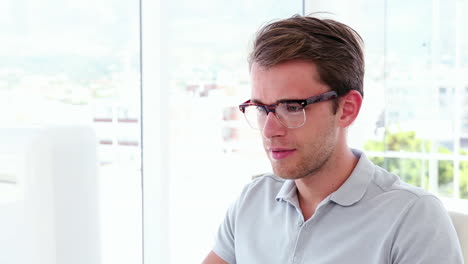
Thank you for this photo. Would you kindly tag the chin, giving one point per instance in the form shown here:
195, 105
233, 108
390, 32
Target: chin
286, 174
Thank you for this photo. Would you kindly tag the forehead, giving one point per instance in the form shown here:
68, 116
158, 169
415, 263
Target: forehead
287, 80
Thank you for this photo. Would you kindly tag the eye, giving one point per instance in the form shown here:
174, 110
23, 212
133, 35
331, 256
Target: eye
293, 107
260, 108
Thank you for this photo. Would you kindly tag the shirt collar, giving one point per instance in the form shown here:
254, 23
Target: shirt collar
287, 192
350, 192
354, 188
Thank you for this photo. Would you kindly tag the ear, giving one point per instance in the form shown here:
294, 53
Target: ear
349, 107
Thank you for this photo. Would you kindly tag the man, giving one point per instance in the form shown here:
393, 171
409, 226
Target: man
325, 203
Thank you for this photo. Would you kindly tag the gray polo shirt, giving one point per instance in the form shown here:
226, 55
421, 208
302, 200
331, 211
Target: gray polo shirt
372, 218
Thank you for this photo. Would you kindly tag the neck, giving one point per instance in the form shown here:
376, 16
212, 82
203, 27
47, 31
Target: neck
314, 188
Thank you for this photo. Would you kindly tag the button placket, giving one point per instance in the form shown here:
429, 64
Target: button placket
305, 230
299, 247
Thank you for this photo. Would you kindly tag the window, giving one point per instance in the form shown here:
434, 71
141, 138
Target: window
413, 120
207, 152
70, 64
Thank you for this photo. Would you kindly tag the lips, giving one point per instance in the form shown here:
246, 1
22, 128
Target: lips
281, 153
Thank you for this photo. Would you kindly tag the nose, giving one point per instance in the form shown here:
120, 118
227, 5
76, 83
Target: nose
273, 127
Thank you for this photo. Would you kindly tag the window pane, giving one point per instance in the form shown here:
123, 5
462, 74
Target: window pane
464, 179
413, 171
70, 95
213, 151
445, 178
414, 106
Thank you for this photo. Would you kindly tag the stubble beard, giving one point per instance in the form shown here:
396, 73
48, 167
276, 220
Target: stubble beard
309, 160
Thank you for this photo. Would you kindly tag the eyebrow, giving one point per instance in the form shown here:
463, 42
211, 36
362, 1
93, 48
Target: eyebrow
256, 101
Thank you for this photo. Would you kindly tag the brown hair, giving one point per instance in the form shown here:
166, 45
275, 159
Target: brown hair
335, 48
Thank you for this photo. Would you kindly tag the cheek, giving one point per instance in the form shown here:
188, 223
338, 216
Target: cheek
316, 133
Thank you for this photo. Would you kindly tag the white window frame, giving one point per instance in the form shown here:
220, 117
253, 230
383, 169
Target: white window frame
155, 179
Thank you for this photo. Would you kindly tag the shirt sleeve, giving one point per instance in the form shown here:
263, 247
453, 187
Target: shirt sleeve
225, 240
426, 235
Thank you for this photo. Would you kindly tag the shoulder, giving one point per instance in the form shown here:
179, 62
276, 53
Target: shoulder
421, 227
266, 179
262, 189
386, 190
266, 182
423, 230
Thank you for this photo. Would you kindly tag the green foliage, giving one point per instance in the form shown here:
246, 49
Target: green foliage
445, 177
415, 171
464, 179
406, 141
399, 141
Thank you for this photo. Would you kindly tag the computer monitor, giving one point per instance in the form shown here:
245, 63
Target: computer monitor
49, 195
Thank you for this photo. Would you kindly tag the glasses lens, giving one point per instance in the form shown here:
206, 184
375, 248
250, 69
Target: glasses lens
255, 116
291, 115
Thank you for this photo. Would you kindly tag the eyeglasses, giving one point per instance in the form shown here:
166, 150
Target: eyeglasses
290, 113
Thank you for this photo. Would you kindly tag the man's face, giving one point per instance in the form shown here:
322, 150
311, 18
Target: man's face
295, 152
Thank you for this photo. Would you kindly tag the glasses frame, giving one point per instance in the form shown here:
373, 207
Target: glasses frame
327, 96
